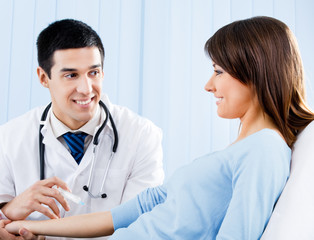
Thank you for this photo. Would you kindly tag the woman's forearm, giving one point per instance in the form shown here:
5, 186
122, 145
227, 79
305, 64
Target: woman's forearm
88, 225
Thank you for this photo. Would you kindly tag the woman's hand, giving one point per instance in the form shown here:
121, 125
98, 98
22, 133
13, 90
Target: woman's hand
13, 227
24, 233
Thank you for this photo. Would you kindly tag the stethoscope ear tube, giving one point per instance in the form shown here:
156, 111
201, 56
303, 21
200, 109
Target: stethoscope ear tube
115, 132
95, 141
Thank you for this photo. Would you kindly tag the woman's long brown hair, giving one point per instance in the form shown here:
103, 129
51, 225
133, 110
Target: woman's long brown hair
263, 52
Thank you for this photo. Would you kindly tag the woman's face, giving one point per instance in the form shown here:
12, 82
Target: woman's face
234, 99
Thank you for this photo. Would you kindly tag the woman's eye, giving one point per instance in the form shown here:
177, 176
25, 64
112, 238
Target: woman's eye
217, 72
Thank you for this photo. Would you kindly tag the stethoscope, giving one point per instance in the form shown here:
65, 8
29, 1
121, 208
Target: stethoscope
86, 188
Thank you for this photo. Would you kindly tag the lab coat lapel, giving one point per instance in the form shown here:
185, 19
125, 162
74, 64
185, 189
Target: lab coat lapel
58, 160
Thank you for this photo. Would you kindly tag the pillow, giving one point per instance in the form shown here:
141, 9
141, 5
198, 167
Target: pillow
293, 216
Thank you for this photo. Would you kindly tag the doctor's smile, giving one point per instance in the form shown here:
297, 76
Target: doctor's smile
83, 102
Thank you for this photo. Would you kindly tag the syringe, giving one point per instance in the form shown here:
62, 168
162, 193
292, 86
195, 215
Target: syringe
69, 196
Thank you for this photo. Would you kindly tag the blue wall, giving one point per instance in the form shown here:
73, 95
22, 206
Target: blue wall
155, 62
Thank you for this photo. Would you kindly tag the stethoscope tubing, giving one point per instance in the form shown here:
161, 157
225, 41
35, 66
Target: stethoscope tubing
41, 145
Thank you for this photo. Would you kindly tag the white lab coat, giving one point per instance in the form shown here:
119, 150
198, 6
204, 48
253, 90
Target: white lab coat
136, 165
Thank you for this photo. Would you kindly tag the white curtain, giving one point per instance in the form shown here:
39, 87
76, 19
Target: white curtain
155, 62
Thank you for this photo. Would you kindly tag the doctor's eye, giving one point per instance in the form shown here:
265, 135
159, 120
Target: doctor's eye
94, 73
71, 75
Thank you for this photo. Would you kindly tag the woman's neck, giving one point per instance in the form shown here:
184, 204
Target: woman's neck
255, 122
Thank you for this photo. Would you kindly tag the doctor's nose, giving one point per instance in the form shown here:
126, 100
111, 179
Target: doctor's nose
84, 85
209, 86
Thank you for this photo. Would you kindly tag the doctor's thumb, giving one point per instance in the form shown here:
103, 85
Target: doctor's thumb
27, 235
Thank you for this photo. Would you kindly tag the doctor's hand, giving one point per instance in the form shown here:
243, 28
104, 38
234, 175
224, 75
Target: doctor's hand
25, 234
32, 199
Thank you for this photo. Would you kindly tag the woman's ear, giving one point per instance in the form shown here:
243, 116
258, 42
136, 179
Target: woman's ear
43, 77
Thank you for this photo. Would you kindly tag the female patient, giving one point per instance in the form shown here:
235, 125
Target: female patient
229, 194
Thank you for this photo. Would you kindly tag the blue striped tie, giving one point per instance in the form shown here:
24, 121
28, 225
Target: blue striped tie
75, 142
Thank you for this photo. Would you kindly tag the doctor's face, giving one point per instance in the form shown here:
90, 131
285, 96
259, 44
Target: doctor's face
75, 84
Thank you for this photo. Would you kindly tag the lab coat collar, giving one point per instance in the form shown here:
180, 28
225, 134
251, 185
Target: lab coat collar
49, 139
60, 128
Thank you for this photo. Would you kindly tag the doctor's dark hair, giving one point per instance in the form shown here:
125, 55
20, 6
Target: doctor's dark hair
262, 52
65, 34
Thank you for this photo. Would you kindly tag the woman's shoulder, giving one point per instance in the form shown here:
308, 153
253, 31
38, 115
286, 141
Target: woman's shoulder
265, 147
262, 140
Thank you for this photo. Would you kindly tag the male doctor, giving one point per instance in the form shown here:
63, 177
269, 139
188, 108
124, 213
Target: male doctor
70, 56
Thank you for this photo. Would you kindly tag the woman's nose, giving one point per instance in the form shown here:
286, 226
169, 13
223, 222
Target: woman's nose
209, 86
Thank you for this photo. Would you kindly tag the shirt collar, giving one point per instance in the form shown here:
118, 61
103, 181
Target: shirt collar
59, 128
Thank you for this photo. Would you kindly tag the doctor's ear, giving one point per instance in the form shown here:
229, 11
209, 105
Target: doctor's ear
43, 77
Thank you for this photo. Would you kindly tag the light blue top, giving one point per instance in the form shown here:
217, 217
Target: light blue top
228, 194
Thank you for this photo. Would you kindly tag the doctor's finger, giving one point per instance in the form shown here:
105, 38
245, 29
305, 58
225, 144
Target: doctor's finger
4, 222
46, 211
27, 235
5, 235
54, 193
51, 204
50, 182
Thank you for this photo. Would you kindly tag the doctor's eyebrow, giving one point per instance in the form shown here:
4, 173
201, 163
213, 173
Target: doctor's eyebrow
74, 69
95, 66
